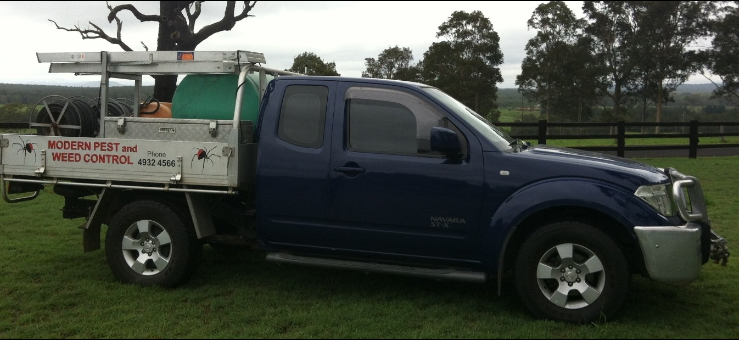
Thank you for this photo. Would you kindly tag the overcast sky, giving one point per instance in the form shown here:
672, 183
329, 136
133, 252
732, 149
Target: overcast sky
341, 32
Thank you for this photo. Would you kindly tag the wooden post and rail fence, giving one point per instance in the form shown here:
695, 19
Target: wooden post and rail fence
694, 130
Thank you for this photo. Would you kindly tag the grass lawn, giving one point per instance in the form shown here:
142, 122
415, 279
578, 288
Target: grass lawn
49, 288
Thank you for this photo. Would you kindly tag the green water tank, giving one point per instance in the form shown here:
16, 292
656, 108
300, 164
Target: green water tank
213, 96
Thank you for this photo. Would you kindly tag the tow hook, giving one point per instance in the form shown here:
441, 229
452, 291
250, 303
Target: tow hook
719, 251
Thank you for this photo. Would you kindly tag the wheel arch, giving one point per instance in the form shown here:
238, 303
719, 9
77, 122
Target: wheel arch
595, 218
191, 207
611, 209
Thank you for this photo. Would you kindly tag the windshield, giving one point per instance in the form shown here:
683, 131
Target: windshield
494, 134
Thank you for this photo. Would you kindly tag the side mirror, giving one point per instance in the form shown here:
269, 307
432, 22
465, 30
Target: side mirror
445, 141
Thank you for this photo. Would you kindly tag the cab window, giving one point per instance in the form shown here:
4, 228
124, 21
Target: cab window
392, 122
303, 115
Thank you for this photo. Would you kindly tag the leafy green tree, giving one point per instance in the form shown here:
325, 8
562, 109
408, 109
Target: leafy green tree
176, 31
559, 70
14, 112
412, 73
465, 64
555, 24
642, 86
584, 70
643, 89
612, 27
392, 63
310, 64
668, 29
725, 49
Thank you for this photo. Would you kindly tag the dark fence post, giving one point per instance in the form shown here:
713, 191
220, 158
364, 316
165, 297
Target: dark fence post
621, 139
542, 132
693, 151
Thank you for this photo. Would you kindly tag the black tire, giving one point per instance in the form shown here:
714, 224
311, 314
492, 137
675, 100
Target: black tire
160, 245
575, 258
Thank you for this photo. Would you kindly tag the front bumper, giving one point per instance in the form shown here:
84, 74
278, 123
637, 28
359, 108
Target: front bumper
671, 254
675, 254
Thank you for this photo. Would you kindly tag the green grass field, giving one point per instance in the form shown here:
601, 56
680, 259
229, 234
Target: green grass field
49, 288
510, 116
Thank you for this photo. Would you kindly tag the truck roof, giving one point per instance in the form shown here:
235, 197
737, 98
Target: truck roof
357, 79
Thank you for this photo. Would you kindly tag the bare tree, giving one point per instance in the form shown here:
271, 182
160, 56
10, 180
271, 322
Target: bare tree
176, 31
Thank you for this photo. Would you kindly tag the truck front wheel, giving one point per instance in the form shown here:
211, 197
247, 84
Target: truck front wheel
572, 272
151, 244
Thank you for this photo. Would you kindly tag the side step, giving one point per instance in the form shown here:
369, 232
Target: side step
443, 274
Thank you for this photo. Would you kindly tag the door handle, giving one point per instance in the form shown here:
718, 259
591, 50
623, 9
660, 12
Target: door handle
349, 170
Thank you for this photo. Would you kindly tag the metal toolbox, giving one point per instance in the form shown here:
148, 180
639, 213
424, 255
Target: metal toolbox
169, 129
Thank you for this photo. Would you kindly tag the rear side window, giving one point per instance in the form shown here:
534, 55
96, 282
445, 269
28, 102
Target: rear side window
303, 115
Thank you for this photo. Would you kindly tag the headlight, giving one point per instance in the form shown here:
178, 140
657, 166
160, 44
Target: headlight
657, 196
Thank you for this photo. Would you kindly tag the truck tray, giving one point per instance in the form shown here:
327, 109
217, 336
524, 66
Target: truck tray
202, 163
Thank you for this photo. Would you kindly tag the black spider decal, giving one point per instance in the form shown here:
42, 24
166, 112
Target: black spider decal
27, 148
203, 154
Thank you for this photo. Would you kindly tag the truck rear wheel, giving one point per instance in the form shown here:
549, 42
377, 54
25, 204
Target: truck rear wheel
150, 244
572, 272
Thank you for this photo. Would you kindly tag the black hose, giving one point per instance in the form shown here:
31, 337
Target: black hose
124, 107
146, 103
81, 116
65, 115
115, 109
89, 121
127, 104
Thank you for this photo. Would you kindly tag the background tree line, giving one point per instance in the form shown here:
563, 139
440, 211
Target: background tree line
696, 101
625, 55
623, 60
17, 101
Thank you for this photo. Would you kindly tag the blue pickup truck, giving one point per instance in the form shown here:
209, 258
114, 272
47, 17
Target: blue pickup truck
400, 177
378, 176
